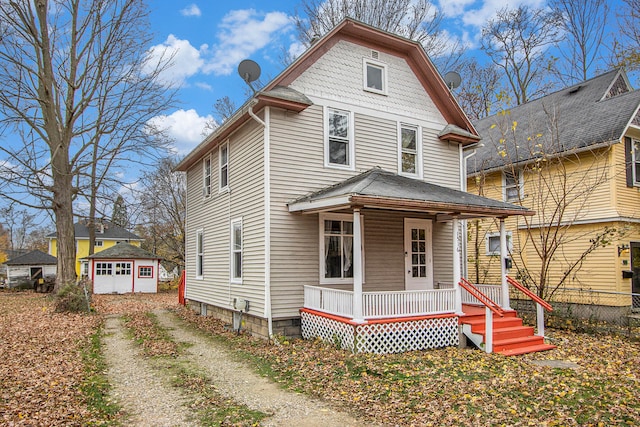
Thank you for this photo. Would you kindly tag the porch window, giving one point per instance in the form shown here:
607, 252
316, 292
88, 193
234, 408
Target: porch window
224, 166
512, 185
199, 254
236, 251
375, 76
206, 173
339, 150
103, 269
336, 249
123, 269
409, 149
493, 243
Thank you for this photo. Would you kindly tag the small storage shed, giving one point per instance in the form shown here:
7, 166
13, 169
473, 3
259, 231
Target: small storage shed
29, 267
124, 268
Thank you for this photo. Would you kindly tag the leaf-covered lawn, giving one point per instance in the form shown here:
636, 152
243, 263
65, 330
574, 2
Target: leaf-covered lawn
460, 387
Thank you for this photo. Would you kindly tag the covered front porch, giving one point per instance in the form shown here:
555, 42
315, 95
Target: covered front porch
418, 249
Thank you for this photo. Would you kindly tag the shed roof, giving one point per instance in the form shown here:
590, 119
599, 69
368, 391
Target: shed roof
34, 257
124, 251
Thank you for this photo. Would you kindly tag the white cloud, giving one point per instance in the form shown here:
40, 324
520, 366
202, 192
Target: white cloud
204, 86
296, 49
478, 17
185, 127
181, 59
242, 33
191, 10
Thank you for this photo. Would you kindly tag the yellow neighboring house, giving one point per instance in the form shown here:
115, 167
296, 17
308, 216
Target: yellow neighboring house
107, 235
573, 157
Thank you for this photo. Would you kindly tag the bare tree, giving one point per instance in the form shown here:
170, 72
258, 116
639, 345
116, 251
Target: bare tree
583, 23
626, 45
516, 40
78, 91
18, 223
480, 91
224, 108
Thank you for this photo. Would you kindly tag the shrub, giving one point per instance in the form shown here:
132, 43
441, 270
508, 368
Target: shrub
72, 298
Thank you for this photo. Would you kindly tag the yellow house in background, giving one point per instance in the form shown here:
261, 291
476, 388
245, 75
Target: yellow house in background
107, 235
573, 157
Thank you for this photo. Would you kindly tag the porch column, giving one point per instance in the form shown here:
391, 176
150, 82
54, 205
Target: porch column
357, 268
456, 264
503, 266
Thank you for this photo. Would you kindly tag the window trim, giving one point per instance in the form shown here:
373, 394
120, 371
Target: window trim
206, 187
366, 62
123, 268
635, 164
419, 164
520, 185
232, 251
350, 140
141, 267
199, 254
488, 237
103, 269
321, 270
221, 165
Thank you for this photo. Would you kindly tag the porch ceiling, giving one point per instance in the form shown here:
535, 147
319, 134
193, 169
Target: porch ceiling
380, 189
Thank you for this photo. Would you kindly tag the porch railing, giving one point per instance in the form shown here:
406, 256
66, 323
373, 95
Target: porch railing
381, 305
541, 304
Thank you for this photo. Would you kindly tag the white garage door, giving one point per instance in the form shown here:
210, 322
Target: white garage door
112, 277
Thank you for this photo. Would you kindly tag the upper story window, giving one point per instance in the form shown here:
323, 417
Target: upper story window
409, 150
636, 162
206, 173
224, 165
98, 243
512, 185
339, 149
236, 251
375, 76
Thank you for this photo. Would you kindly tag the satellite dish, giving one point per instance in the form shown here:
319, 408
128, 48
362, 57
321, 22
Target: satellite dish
452, 80
249, 71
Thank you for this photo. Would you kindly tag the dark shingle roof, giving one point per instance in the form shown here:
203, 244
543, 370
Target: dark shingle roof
111, 232
124, 251
35, 257
572, 119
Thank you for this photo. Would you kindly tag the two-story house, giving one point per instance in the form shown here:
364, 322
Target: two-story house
573, 157
330, 203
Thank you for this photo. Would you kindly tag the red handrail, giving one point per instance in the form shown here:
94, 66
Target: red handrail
181, 286
477, 293
530, 294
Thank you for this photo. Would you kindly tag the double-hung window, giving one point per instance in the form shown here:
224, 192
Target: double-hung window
375, 76
206, 173
636, 162
512, 185
336, 249
339, 139
409, 150
199, 254
236, 251
223, 152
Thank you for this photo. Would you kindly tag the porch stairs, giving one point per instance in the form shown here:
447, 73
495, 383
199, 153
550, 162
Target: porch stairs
510, 337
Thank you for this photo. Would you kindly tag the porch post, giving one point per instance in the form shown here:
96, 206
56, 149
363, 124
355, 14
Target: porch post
503, 266
456, 264
357, 268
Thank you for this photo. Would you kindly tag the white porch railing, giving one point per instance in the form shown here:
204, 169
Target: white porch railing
381, 305
494, 292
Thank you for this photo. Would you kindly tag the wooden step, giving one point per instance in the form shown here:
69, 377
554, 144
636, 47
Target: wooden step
518, 342
508, 332
526, 350
500, 322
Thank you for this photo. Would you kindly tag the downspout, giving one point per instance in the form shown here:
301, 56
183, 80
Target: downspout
267, 212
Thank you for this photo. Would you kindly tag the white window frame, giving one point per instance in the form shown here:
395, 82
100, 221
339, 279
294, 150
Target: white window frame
122, 268
200, 254
418, 153
369, 62
635, 162
496, 235
206, 176
223, 167
520, 185
336, 217
103, 269
233, 250
349, 140
98, 243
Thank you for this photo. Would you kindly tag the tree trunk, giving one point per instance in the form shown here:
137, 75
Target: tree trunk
65, 234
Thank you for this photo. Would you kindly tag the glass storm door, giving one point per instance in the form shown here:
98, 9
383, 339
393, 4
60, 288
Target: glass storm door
418, 258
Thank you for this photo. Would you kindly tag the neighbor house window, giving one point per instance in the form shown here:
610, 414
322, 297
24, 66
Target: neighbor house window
206, 172
375, 76
123, 269
339, 138
236, 251
98, 243
199, 254
145, 271
224, 165
409, 150
493, 243
512, 185
636, 162
103, 269
336, 249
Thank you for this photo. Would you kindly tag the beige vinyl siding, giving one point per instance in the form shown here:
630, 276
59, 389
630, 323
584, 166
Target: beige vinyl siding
442, 253
376, 143
245, 201
384, 251
441, 160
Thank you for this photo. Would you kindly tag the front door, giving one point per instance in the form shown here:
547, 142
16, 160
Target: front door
635, 267
418, 258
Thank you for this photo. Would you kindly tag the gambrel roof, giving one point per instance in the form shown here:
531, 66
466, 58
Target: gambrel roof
594, 113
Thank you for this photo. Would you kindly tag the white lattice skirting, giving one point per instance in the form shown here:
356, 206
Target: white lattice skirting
385, 337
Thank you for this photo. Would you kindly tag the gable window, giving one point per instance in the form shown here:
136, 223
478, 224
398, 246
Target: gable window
493, 243
336, 249
145, 271
224, 166
236, 251
512, 185
206, 173
199, 254
339, 148
375, 76
409, 151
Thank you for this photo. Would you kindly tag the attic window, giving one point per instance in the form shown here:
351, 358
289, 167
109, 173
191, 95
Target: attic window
374, 76
100, 228
618, 87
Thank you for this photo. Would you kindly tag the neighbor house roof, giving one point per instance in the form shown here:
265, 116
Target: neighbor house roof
593, 113
378, 188
124, 251
110, 231
278, 93
34, 257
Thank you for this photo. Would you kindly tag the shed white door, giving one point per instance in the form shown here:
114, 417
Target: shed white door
112, 277
418, 254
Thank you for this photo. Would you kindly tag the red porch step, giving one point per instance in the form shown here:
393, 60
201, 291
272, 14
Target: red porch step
510, 337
